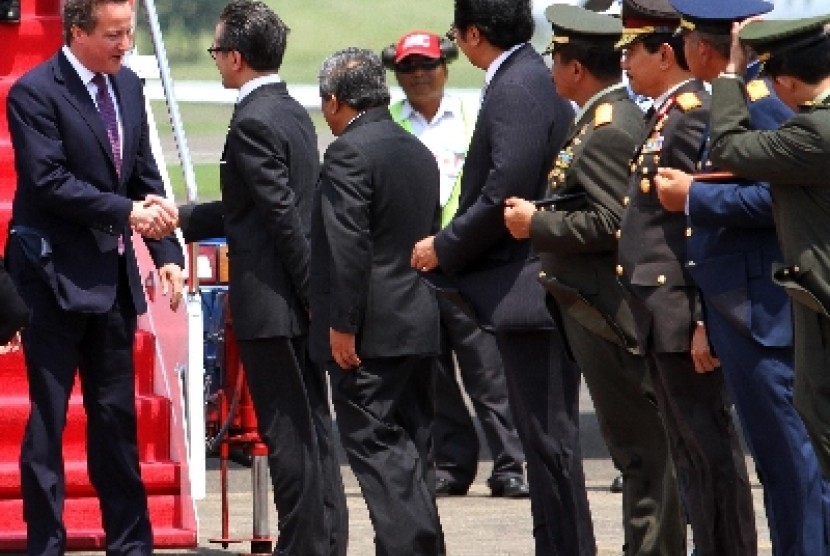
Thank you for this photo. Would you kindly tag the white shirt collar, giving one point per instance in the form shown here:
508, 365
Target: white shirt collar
82, 71
494, 67
450, 104
255, 83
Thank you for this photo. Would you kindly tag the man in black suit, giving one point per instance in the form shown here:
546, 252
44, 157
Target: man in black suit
520, 128
687, 378
374, 322
86, 180
268, 171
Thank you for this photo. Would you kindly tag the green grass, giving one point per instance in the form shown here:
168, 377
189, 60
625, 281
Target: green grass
207, 179
320, 27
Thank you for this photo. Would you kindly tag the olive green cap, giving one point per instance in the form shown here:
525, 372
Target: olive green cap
773, 37
576, 25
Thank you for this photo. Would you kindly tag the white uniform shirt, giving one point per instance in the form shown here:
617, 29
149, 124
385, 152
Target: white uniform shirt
445, 136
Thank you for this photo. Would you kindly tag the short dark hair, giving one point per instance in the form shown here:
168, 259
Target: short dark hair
810, 64
652, 44
253, 29
82, 14
504, 23
603, 62
721, 43
355, 77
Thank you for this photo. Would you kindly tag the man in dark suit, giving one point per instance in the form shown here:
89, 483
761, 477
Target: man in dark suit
520, 128
688, 381
445, 123
268, 171
794, 160
374, 323
86, 176
730, 251
575, 239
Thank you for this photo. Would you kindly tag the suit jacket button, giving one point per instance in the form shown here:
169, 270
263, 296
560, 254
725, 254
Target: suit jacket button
620, 270
661, 279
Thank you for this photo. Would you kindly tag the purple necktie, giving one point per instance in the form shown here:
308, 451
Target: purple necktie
107, 111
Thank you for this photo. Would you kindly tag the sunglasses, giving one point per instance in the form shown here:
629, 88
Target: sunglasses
409, 66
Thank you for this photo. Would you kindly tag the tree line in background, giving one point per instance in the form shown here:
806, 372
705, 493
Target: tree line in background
184, 23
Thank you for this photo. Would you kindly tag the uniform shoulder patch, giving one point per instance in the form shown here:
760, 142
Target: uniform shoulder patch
757, 89
688, 101
604, 114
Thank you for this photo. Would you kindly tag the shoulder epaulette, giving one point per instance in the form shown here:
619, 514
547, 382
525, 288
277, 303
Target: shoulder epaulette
604, 114
688, 101
757, 89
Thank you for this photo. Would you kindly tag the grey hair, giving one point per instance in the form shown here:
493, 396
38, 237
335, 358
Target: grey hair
355, 77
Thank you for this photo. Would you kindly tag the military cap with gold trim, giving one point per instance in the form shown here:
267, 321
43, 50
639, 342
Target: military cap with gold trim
774, 37
717, 16
642, 18
575, 25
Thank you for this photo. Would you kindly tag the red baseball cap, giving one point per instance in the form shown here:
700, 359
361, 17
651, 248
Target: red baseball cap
418, 42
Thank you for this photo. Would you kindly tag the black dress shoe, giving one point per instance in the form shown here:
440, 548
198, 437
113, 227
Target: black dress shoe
616, 484
443, 487
511, 487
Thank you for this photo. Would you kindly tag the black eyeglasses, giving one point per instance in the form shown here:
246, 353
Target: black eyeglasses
214, 49
408, 65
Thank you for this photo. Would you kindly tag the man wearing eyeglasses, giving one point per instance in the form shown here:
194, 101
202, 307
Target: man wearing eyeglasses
268, 172
445, 123
521, 126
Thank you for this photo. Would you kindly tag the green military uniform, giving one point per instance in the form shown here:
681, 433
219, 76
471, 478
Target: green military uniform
577, 247
794, 159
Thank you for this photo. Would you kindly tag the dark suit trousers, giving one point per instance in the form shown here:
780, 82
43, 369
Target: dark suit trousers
384, 415
760, 381
543, 387
453, 434
291, 403
633, 429
100, 346
811, 394
707, 455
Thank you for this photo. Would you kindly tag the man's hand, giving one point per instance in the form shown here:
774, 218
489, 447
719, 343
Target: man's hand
172, 281
424, 257
14, 345
343, 349
702, 356
517, 215
155, 217
672, 188
738, 52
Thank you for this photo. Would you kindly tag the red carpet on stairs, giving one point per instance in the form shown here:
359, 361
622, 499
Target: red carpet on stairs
25, 44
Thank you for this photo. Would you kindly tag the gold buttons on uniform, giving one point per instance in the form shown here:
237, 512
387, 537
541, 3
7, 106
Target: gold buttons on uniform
620, 270
661, 279
645, 185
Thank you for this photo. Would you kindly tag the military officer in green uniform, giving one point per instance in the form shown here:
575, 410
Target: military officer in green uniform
795, 159
574, 236
687, 378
